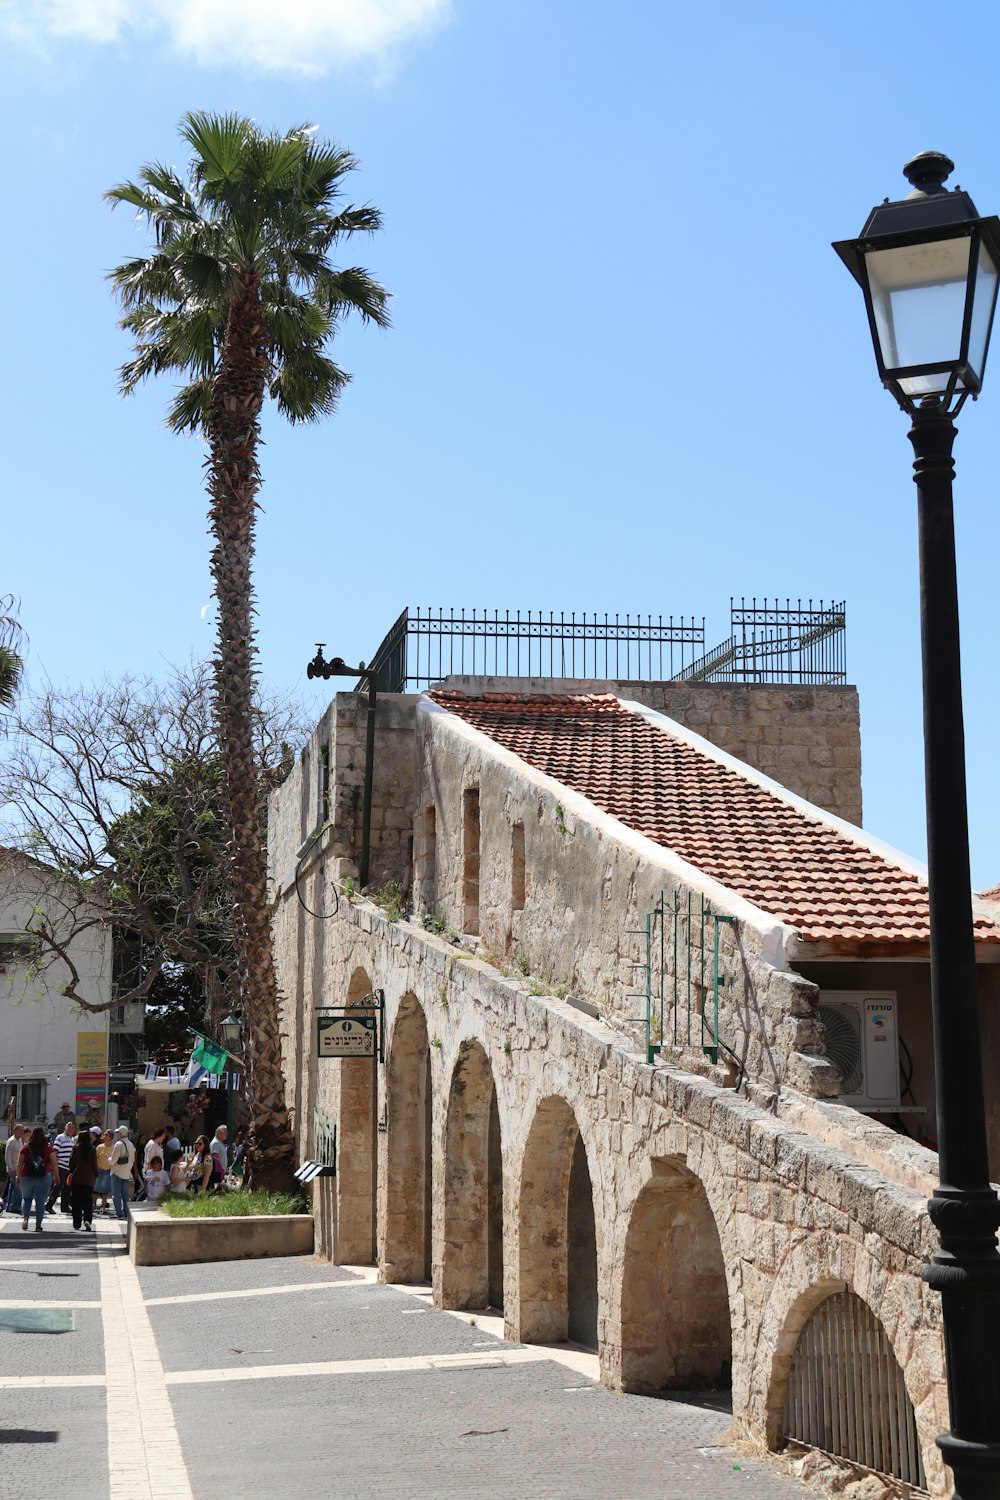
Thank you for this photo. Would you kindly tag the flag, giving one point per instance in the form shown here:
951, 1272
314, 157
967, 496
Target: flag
205, 1058
152, 1073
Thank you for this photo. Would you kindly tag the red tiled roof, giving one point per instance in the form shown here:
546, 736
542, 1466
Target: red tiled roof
795, 867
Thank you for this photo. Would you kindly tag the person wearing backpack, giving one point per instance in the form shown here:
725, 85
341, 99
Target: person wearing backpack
37, 1169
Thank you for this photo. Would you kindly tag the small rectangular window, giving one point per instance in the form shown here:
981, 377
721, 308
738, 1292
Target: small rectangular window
470, 860
517, 867
324, 783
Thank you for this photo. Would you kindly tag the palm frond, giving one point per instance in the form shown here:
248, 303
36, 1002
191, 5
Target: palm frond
307, 387
218, 143
189, 409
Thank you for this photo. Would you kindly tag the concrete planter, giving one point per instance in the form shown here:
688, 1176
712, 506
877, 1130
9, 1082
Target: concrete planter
156, 1240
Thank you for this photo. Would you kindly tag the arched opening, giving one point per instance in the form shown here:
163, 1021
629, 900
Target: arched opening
357, 1158
676, 1328
845, 1392
407, 1251
472, 1263
558, 1234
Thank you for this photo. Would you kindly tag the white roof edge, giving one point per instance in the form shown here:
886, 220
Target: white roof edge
808, 809
776, 936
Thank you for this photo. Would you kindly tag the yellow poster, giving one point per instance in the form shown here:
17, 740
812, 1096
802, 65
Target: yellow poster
91, 1071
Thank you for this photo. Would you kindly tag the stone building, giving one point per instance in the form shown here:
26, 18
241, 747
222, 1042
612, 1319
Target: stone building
606, 1102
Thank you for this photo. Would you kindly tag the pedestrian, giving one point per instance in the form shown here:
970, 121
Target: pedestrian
154, 1147
122, 1160
238, 1165
102, 1187
82, 1177
157, 1181
37, 1167
11, 1155
63, 1113
172, 1148
63, 1143
200, 1168
218, 1146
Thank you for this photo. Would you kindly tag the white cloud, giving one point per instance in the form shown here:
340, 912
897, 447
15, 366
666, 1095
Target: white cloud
274, 36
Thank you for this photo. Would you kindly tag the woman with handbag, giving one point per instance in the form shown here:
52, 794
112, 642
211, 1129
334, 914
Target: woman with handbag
82, 1177
37, 1171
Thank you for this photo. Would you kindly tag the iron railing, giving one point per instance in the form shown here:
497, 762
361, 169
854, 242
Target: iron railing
425, 646
847, 1395
769, 642
774, 643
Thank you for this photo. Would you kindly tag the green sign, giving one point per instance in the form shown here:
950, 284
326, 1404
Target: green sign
346, 1036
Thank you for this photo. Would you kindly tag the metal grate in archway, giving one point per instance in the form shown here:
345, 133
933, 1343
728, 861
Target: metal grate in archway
846, 1393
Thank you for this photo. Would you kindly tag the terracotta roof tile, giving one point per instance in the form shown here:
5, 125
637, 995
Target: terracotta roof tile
765, 849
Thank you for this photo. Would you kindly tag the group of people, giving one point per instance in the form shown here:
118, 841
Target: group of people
85, 1168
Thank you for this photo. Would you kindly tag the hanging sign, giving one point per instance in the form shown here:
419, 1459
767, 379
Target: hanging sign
346, 1035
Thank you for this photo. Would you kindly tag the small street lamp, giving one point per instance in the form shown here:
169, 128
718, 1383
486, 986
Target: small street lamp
232, 1034
928, 267
320, 667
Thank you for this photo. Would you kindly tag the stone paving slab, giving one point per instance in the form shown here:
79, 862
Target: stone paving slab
79, 1352
356, 1322
226, 1275
53, 1442
525, 1433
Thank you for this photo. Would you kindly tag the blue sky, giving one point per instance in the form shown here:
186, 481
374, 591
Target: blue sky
626, 372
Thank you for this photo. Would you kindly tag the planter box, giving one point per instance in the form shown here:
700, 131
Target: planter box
156, 1240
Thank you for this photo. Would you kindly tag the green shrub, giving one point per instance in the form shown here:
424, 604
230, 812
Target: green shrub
238, 1204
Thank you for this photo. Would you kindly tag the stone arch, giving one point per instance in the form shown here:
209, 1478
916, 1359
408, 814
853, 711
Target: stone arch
471, 1272
557, 1239
676, 1328
357, 1156
805, 1281
406, 1251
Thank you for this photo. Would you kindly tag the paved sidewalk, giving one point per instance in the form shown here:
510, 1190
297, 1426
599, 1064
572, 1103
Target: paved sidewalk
309, 1381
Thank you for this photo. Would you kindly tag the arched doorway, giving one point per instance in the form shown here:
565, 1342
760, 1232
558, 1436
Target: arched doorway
472, 1260
846, 1393
557, 1278
676, 1331
407, 1251
357, 1157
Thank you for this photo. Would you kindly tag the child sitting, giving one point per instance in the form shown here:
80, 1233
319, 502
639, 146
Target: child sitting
157, 1181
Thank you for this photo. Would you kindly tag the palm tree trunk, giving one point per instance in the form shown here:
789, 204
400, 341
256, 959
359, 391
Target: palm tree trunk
233, 482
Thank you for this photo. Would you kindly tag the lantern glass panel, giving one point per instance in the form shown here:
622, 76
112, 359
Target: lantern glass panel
918, 298
982, 310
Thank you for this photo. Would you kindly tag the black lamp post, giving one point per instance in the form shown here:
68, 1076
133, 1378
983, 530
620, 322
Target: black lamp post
232, 1034
320, 667
928, 266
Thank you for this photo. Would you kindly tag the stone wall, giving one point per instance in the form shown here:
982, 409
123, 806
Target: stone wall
717, 1226
806, 738
574, 919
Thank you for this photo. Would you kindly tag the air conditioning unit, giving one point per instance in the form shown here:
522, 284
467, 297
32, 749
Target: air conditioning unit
862, 1039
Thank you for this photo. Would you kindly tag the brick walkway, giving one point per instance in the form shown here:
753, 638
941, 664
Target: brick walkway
308, 1381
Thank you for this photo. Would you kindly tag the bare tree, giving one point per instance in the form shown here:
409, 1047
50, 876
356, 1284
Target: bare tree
116, 792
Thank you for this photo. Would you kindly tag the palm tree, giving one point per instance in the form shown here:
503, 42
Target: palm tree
239, 293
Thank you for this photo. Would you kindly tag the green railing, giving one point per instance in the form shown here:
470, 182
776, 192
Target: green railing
677, 997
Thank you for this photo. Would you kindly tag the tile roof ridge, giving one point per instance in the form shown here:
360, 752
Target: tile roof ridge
854, 834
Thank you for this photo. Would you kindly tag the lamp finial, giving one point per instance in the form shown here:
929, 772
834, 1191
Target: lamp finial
927, 172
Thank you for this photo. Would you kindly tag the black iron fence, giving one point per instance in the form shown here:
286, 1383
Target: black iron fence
425, 646
769, 643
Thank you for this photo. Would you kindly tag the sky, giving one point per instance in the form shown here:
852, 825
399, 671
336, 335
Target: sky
626, 370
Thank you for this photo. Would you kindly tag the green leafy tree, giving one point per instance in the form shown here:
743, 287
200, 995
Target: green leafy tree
240, 294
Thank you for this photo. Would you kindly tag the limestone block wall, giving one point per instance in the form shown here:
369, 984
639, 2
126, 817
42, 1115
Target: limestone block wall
561, 892
455, 1159
808, 738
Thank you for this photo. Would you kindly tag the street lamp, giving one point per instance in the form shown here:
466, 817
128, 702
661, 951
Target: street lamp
232, 1034
928, 266
320, 667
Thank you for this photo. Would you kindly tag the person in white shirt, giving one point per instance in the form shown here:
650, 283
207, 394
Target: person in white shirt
122, 1158
219, 1148
157, 1181
12, 1151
